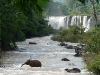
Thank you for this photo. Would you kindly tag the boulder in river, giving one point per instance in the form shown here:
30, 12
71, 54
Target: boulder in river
65, 59
69, 46
74, 70
32, 43
62, 44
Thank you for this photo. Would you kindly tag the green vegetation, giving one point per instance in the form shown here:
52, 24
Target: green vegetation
18, 23
55, 9
73, 7
72, 34
93, 47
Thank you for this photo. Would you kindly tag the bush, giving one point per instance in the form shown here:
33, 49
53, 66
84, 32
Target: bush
95, 65
92, 59
57, 38
72, 34
93, 44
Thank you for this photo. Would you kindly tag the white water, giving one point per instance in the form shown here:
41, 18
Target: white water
50, 55
64, 21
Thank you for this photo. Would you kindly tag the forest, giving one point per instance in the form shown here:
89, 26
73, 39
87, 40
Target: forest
18, 23
71, 7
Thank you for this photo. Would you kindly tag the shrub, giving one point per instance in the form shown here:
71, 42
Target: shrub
57, 38
93, 44
94, 66
72, 34
92, 59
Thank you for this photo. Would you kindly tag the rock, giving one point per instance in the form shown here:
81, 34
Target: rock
32, 43
74, 70
69, 46
78, 51
1, 66
77, 55
62, 44
65, 59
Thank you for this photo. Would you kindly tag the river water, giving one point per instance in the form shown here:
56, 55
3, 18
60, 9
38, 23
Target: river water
50, 55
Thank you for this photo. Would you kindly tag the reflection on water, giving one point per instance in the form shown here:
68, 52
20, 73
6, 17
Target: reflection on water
50, 55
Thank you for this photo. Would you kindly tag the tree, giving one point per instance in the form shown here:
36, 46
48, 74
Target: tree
75, 7
26, 5
92, 2
11, 22
96, 19
10, 28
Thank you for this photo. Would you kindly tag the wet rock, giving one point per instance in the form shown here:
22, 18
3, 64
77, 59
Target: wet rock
62, 44
69, 46
82, 47
65, 59
74, 70
32, 43
78, 51
77, 55
2, 66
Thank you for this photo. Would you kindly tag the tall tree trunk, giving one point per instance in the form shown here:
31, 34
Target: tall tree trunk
94, 12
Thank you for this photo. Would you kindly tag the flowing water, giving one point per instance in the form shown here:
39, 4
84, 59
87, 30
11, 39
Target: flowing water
50, 55
64, 21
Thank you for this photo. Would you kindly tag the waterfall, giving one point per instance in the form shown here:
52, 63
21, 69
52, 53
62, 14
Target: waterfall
56, 22
63, 21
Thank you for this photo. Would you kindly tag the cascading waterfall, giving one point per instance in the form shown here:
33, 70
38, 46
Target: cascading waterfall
63, 21
56, 22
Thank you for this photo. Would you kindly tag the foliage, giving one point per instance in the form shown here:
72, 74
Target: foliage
92, 58
10, 29
26, 6
71, 7
72, 34
17, 26
55, 9
93, 64
93, 44
37, 26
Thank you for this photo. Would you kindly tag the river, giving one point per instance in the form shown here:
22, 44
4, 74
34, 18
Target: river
48, 52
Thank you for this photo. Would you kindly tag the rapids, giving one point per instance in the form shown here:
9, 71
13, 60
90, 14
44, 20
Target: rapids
50, 55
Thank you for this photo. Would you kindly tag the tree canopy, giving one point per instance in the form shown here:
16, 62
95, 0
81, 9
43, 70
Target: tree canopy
21, 19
